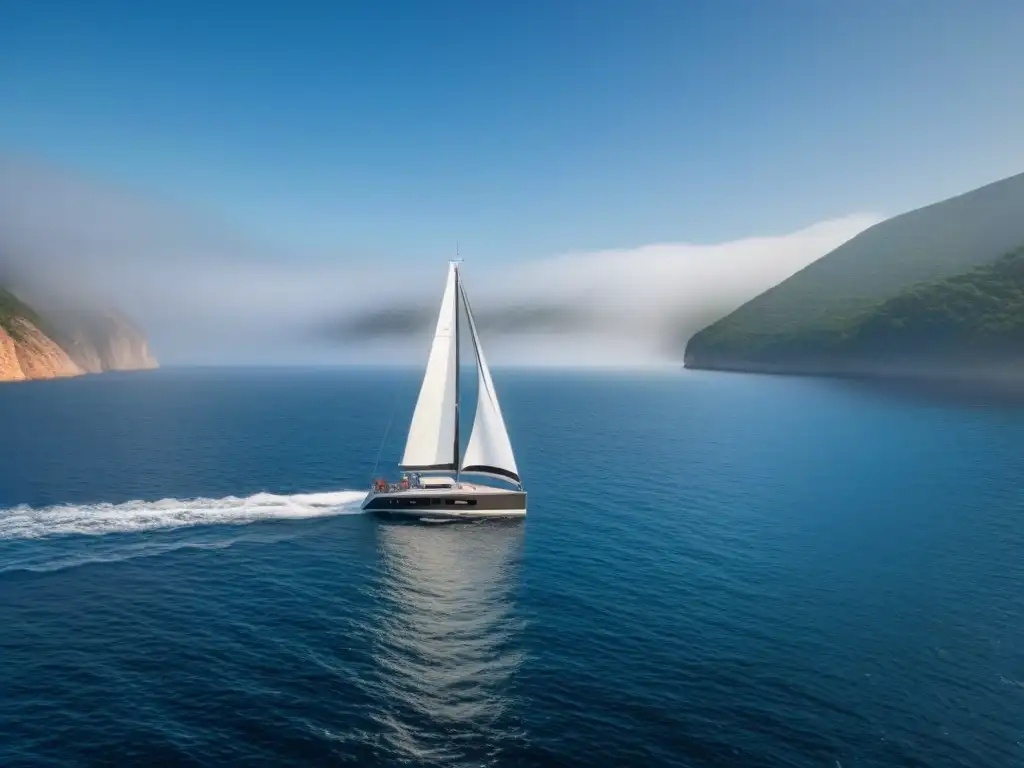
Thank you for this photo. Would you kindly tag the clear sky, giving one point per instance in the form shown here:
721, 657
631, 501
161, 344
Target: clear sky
522, 128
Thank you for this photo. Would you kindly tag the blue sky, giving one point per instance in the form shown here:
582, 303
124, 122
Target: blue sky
649, 165
524, 129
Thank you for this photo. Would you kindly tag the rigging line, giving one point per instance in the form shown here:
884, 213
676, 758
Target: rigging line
387, 430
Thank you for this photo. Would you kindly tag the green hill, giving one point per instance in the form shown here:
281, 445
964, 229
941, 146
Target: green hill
976, 318
887, 296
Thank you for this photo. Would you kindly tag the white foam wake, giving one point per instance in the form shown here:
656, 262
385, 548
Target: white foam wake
25, 522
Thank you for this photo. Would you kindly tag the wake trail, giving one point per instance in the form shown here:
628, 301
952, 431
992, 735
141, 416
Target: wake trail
24, 522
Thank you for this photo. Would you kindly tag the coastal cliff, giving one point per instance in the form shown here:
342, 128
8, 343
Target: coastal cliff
102, 340
56, 345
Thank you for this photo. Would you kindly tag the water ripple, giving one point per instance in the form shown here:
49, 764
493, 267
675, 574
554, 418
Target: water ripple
714, 571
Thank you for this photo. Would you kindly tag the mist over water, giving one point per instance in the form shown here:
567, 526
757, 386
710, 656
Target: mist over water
206, 295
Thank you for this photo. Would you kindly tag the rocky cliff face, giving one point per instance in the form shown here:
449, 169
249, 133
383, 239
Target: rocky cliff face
101, 341
10, 367
39, 356
28, 353
72, 343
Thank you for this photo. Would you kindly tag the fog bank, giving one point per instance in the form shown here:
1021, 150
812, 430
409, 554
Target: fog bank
208, 296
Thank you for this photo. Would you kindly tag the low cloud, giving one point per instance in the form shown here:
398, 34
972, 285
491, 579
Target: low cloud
626, 306
205, 295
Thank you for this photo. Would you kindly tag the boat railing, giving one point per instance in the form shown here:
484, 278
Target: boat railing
382, 486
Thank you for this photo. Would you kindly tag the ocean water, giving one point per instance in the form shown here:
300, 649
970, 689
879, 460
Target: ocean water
716, 570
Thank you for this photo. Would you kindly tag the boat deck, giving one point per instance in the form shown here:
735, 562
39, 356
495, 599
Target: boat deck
441, 491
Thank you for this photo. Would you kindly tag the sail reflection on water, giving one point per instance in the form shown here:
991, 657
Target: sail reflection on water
447, 640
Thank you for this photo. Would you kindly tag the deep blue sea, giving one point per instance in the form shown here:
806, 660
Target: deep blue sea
716, 570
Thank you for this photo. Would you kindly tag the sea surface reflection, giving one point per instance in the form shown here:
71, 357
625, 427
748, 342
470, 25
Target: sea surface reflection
447, 641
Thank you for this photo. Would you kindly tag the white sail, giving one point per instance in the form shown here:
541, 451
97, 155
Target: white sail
431, 440
489, 451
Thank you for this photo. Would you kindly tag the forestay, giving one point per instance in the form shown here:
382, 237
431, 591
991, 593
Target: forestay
489, 451
431, 441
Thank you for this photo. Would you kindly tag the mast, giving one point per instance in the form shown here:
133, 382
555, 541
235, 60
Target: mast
457, 462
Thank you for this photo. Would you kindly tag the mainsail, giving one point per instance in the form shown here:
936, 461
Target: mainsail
489, 451
432, 443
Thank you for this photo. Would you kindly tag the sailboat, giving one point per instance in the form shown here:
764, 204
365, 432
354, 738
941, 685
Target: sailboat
433, 486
